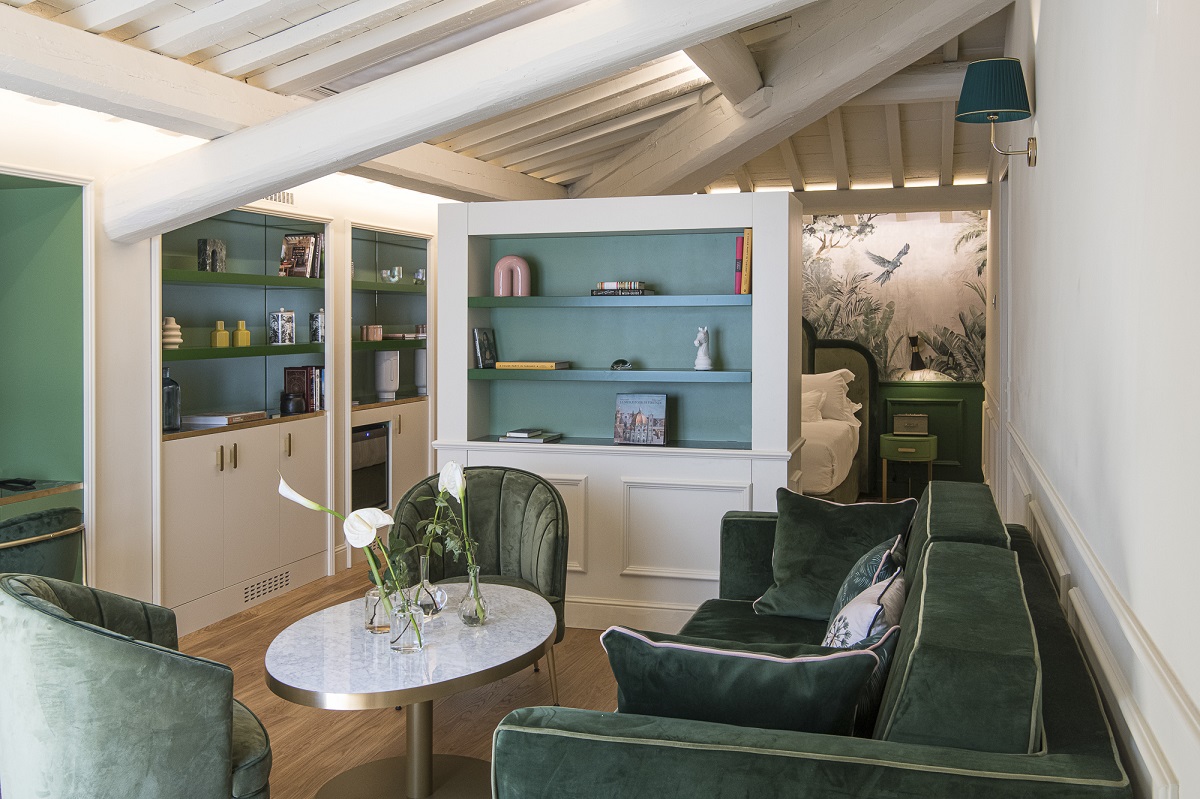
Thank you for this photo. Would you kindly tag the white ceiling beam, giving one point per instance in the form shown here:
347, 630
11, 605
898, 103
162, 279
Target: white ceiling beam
591, 145
837, 146
541, 128
744, 181
845, 47
411, 32
539, 60
101, 16
950, 50
43, 59
946, 173
728, 63
932, 83
891, 118
310, 35
791, 162
670, 70
213, 24
572, 170
890, 201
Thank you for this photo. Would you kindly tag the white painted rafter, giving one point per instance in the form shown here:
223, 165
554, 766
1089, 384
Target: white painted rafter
839, 49
932, 83
950, 50
837, 146
213, 24
536, 61
593, 145
946, 171
101, 16
891, 114
728, 63
791, 162
744, 181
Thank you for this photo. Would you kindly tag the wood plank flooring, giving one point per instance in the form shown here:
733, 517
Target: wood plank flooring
310, 745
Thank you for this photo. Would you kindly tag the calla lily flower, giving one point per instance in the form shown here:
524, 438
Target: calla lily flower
452, 480
360, 526
287, 492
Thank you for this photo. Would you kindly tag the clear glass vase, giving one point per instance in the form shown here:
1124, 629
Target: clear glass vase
375, 616
432, 598
408, 625
473, 609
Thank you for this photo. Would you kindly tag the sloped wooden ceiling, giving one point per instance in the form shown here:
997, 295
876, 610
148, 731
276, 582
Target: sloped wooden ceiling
779, 95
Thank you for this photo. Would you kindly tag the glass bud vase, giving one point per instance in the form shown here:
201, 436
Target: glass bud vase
431, 598
375, 616
408, 625
473, 610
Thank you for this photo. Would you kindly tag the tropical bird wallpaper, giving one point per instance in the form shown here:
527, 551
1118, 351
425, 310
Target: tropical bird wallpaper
879, 278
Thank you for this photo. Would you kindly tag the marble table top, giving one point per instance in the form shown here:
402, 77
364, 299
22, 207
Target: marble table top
329, 660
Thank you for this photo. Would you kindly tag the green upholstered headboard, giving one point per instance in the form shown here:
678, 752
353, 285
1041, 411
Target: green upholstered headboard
829, 355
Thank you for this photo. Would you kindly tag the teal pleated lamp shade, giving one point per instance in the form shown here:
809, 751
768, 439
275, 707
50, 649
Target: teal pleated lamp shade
993, 87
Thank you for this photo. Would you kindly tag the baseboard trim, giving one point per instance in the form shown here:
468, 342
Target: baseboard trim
209, 609
600, 613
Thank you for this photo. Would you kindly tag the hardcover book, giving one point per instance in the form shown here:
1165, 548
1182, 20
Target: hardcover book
747, 260
641, 419
533, 364
544, 438
221, 419
621, 284
485, 348
737, 264
524, 432
621, 292
299, 252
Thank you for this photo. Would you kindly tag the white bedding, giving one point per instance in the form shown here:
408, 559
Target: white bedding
827, 455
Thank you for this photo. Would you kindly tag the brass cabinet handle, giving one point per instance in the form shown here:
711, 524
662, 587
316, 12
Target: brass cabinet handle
906, 449
221, 458
398, 424
233, 456
289, 445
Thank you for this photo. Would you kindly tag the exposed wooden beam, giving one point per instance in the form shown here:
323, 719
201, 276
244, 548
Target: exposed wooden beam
410, 32
845, 47
946, 173
531, 63
311, 35
932, 83
887, 201
791, 162
744, 181
594, 146
891, 116
213, 24
101, 16
728, 63
950, 50
837, 146
44, 59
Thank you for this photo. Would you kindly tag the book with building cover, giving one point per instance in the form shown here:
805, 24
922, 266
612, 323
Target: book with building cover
641, 419
485, 348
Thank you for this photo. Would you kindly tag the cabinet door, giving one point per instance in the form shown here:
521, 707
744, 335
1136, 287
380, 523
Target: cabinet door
251, 512
192, 518
410, 447
303, 463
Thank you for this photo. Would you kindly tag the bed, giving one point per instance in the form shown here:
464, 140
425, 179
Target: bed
837, 460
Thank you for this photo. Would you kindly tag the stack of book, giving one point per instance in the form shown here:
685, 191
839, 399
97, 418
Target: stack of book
221, 419
308, 382
621, 288
302, 255
533, 364
742, 262
530, 435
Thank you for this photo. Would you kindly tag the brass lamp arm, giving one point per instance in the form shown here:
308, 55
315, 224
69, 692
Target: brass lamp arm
1030, 151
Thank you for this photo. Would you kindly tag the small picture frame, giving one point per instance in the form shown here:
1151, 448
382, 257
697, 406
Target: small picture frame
211, 255
641, 419
485, 348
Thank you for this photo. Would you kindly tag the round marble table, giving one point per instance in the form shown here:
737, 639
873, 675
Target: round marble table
329, 660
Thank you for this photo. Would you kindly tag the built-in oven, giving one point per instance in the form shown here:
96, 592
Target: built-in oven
369, 466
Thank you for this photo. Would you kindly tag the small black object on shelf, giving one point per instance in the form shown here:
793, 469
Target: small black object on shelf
620, 363
291, 404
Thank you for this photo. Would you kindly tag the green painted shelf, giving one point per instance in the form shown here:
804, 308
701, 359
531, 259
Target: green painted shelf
404, 287
208, 353
613, 376
653, 301
395, 344
237, 279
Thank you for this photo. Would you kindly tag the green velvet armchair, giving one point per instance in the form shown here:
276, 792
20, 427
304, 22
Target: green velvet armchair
96, 703
519, 522
48, 543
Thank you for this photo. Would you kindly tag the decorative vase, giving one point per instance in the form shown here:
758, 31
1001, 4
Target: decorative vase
241, 336
431, 598
316, 326
473, 609
281, 326
375, 616
408, 625
172, 336
220, 336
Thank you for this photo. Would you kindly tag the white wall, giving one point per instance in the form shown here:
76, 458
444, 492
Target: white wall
86, 147
1102, 430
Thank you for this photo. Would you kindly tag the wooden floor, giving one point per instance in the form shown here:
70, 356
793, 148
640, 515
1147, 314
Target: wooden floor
310, 745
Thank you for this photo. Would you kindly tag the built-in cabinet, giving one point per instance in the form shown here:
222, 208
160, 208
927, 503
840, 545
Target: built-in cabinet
644, 520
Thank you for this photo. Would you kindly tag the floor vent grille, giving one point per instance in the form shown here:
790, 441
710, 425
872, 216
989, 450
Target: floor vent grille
269, 585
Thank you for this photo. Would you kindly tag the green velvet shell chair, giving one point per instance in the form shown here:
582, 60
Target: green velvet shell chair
48, 543
96, 703
519, 522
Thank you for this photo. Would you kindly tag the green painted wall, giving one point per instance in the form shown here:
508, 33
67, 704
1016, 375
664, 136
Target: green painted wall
41, 323
955, 417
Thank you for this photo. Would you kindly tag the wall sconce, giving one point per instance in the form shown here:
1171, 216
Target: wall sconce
918, 370
994, 91
917, 364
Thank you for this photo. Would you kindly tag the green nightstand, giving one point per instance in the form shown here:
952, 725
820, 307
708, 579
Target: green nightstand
910, 449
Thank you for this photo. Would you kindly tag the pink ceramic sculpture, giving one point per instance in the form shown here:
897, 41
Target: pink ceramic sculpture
511, 278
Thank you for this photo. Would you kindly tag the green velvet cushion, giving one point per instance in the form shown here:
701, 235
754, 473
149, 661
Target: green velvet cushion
251, 755
735, 620
747, 538
816, 543
967, 672
953, 512
878, 564
781, 686
56, 557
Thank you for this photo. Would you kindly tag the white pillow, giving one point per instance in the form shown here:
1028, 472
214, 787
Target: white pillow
874, 610
810, 406
837, 404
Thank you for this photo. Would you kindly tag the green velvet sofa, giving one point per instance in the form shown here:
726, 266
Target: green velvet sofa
988, 693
